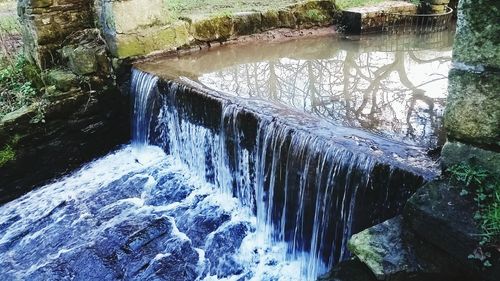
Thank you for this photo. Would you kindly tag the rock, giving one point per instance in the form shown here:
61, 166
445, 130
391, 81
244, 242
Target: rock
314, 13
213, 29
270, 19
247, 23
22, 115
472, 112
476, 39
438, 215
170, 188
456, 152
373, 18
201, 220
62, 80
349, 270
221, 247
179, 262
383, 249
82, 60
151, 39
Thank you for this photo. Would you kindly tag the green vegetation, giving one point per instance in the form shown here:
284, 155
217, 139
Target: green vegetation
484, 188
16, 88
7, 153
315, 15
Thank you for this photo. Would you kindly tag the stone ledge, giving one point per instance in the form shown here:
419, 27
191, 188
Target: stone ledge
147, 39
372, 18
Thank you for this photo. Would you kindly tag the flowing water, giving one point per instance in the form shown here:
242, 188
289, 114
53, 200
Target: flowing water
213, 189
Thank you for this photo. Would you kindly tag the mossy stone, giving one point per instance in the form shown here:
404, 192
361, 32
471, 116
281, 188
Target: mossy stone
213, 29
472, 114
270, 20
477, 38
314, 13
61, 79
82, 59
152, 39
247, 23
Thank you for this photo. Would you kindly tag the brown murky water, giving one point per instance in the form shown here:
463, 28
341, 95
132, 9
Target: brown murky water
393, 86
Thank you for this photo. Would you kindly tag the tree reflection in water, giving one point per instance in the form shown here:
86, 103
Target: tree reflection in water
399, 94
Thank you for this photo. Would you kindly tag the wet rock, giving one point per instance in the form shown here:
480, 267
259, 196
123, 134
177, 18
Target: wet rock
383, 249
178, 262
221, 247
202, 220
129, 186
170, 188
350, 270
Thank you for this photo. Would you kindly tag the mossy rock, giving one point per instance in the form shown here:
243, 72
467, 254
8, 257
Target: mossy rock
314, 13
477, 41
61, 79
472, 113
213, 29
270, 19
152, 39
247, 23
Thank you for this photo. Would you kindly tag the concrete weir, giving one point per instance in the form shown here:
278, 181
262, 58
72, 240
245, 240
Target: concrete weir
310, 183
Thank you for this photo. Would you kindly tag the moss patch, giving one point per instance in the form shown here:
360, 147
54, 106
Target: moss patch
8, 153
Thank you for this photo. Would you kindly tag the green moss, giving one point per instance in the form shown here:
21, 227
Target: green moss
7, 154
315, 15
216, 28
361, 245
477, 41
153, 39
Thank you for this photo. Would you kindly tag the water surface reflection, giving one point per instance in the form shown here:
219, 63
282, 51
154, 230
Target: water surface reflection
388, 85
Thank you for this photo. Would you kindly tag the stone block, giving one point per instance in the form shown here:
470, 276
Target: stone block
247, 23
40, 3
476, 42
213, 29
62, 80
82, 59
152, 39
132, 15
472, 114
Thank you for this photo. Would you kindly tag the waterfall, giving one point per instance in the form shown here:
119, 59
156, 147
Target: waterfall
303, 190
143, 85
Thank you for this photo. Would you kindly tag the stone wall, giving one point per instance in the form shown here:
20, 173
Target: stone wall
472, 117
134, 28
47, 23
